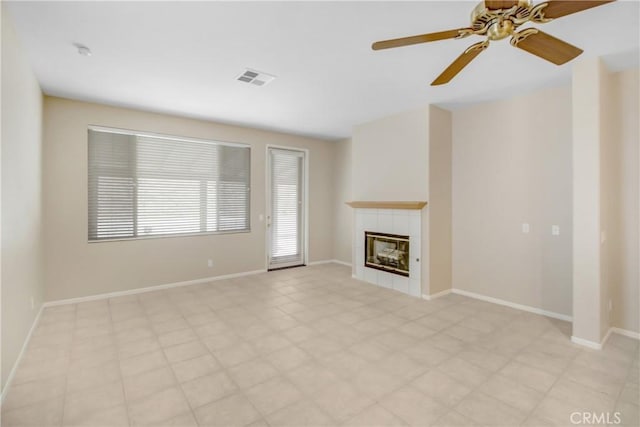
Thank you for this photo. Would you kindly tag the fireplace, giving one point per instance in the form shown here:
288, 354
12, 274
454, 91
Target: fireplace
387, 252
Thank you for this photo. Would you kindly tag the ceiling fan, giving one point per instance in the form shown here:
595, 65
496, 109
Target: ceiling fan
498, 19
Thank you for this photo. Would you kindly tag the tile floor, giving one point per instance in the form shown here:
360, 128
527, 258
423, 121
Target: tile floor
311, 347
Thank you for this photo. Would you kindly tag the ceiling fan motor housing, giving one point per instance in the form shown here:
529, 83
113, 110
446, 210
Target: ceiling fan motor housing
498, 24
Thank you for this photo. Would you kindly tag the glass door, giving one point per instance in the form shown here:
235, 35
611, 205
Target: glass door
286, 200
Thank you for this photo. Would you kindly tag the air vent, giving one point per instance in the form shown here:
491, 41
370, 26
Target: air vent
257, 78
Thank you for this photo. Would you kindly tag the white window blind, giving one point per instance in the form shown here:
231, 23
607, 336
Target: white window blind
286, 210
144, 186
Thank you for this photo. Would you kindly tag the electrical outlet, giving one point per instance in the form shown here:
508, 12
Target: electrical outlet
555, 230
210, 263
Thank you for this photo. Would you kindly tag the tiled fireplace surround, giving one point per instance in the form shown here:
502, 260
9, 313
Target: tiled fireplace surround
406, 222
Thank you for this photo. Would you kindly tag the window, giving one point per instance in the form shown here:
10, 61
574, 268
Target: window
148, 185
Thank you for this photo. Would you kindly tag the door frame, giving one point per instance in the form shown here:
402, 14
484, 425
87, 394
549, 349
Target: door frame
305, 202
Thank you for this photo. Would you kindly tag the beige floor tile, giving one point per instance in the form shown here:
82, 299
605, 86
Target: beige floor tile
401, 365
26, 394
344, 364
47, 413
630, 393
138, 347
185, 351
149, 382
35, 370
594, 379
209, 388
427, 353
271, 343
374, 415
370, 350
234, 410
92, 377
115, 416
135, 334
629, 414
219, 341
186, 419
341, 400
577, 394
484, 359
177, 337
194, 368
529, 376
157, 407
413, 407
235, 354
288, 358
273, 394
170, 326
344, 346
464, 372
441, 387
486, 410
253, 372
374, 383
453, 419
211, 328
79, 405
320, 345
512, 393
142, 363
311, 377
300, 414
557, 412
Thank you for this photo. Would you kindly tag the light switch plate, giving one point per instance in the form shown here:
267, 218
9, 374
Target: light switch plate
525, 228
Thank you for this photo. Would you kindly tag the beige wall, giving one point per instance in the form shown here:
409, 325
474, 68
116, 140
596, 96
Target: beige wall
623, 229
587, 117
512, 165
390, 158
343, 220
22, 255
75, 268
439, 200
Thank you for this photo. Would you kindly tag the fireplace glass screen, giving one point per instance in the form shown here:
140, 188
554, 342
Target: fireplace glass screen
387, 252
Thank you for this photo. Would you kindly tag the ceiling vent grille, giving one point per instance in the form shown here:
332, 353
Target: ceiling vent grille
257, 78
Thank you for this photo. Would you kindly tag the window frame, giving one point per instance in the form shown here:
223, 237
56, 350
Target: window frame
129, 132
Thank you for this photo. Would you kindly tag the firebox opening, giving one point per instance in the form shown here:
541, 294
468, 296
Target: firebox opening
387, 252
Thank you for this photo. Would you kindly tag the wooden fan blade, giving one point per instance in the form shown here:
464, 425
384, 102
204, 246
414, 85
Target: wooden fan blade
422, 38
545, 46
560, 8
460, 62
500, 4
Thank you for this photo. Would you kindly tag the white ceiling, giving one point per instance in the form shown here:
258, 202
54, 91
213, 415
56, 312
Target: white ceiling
182, 57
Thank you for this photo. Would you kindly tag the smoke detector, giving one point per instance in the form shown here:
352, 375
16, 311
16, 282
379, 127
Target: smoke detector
255, 77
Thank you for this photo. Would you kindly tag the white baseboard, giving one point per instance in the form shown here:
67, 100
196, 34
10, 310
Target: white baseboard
522, 307
436, 295
600, 345
626, 332
149, 289
606, 337
12, 374
587, 343
329, 261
